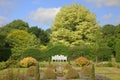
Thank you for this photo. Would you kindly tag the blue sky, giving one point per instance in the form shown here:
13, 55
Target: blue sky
41, 13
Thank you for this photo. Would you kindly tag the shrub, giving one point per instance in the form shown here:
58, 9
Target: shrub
79, 51
51, 66
85, 71
31, 71
117, 49
56, 49
5, 53
49, 74
81, 61
67, 66
3, 65
27, 62
104, 54
92, 72
37, 72
35, 53
72, 74
105, 64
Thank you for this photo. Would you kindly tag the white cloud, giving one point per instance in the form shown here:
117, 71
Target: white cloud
100, 3
118, 20
43, 15
5, 3
2, 21
107, 17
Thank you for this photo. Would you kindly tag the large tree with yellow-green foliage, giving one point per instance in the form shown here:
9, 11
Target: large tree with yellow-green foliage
74, 25
21, 40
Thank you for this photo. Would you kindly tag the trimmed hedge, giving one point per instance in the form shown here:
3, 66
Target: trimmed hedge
35, 53
104, 54
57, 49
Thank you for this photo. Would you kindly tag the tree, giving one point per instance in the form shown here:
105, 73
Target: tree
18, 24
41, 34
14, 25
117, 48
108, 32
117, 44
21, 40
74, 25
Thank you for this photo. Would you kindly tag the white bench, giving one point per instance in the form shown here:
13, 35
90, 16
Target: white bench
59, 58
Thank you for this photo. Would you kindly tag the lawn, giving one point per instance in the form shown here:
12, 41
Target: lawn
110, 72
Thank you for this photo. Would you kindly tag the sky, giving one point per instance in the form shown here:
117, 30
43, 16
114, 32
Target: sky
41, 13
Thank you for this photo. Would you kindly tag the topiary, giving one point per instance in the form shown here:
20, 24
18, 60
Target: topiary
51, 66
35, 53
31, 71
27, 62
67, 66
37, 72
85, 71
72, 74
49, 73
81, 61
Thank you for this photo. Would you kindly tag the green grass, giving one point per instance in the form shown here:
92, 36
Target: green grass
110, 72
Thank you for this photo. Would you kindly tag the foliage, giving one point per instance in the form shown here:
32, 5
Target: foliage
31, 71
105, 64
92, 72
49, 74
42, 47
56, 49
72, 74
82, 50
104, 54
74, 25
67, 66
5, 53
37, 72
33, 52
27, 62
85, 71
108, 34
82, 61
39, 33
20, 41
117, 48
3, 65
18, 24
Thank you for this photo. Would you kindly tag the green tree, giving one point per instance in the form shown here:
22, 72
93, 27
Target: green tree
21, 40
117, 44
18, 24
41, 34
8, 28
117, 48
108, 32
74, 25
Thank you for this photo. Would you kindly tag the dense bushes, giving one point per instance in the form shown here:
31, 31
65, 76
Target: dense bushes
27, 62
72, 74
81, 61
104, 54
56, 49
49, 73
5, 53
35, 53
117, 48
77, 51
